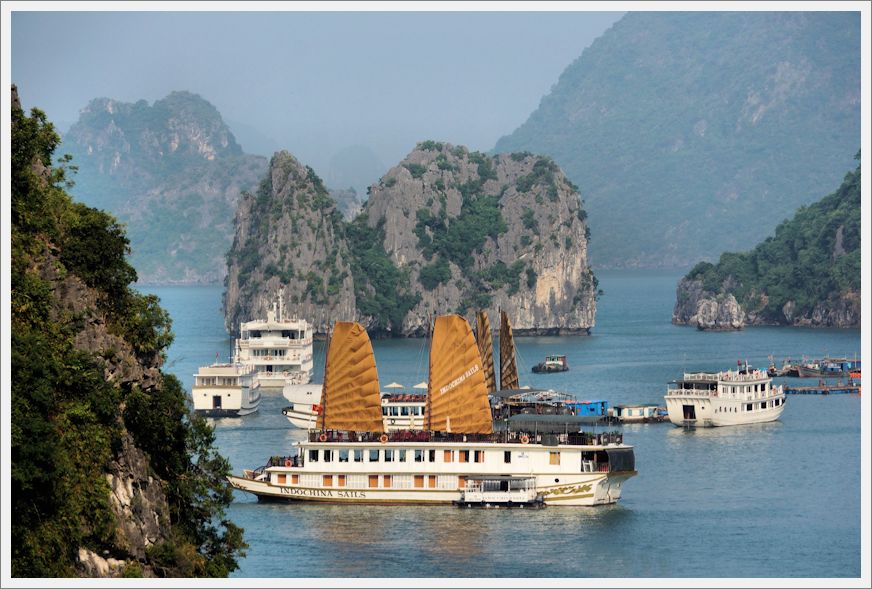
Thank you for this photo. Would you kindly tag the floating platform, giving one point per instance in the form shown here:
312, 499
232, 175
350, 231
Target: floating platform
495, 492
837, 389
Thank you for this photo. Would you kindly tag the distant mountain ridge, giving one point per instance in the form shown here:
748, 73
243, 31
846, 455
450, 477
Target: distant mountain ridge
693, 133
174, 172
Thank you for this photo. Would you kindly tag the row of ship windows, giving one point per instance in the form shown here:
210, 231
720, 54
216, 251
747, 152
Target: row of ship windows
259, 353
216, 380
373, 481
751, 406
748, 388
402, 410
285, 333
420, 455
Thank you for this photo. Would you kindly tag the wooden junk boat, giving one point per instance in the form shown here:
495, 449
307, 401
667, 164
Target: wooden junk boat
350, 458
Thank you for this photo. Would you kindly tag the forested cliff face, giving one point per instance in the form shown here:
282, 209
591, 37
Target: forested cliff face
111, 475
678, 123
807, 274
476, 232
173, 172
289, 232
446, 230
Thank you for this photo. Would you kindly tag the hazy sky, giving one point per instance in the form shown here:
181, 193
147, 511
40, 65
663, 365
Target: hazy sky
313, 83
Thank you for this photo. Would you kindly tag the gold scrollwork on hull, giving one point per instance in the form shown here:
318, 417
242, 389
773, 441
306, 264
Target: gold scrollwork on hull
567, 490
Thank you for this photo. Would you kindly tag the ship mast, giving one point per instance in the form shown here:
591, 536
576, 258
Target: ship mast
324, 380
429, 379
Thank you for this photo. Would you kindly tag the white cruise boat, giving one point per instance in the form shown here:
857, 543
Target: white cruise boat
731, 397
350, 458
225, 390
400, 411
277, 349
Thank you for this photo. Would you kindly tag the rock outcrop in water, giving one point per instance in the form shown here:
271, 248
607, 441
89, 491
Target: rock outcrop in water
290, 233
444, 231
807, 274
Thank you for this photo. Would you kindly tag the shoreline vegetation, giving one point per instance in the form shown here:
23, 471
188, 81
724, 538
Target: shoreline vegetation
112, 474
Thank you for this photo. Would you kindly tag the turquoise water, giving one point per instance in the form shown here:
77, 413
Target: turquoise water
771, 500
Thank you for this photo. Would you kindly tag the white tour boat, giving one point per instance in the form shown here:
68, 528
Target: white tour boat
351, 459
225, 390
731, 397
400, 411
277, 349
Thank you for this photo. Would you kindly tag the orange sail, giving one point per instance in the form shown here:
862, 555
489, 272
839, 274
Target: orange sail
350, 397
508, 366
486, 348
457, 397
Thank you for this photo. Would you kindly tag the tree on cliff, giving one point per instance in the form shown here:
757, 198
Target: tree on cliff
73, 408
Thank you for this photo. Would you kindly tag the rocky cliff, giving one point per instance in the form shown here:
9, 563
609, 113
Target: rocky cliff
108, 467
444, 231
289, 232
807, 274
173, 172
475, 231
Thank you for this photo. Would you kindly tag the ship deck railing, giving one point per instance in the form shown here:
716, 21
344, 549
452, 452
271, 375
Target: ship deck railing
603, 438
774, 391
727, 375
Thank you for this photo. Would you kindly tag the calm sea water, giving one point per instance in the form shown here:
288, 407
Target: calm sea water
771, 500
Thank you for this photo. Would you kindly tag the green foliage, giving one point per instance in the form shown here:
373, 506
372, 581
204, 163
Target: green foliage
443, 164
430, 145
390, 182
416, 170
67, 420
485, 166
500, 275
542, 174
805, 261
435, 274
529, 220
381, 290
531, 278
454, 239
520, 156
181, 448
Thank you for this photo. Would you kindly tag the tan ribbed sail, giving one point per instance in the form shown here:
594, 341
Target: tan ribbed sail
457, 395
350, 397
485, 342
508, 367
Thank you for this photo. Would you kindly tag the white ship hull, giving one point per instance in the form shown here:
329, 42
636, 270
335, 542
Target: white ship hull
715, 412
574, 491
224, 390
726, 398
277, 350
304, 397
235, 401
570, 481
